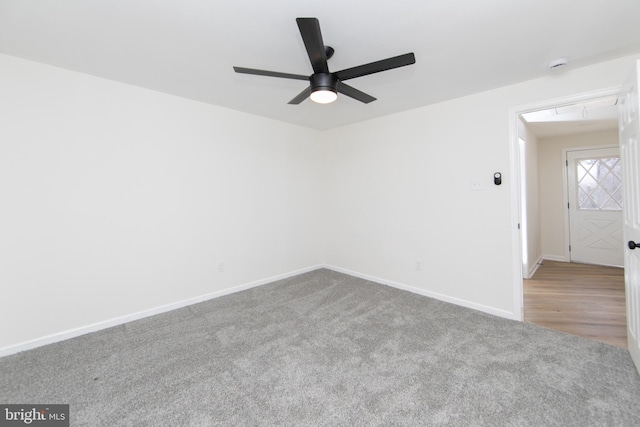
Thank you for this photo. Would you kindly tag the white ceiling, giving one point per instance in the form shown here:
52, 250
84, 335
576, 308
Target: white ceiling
188, 47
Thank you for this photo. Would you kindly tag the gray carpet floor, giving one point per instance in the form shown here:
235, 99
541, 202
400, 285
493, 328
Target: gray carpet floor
324, 348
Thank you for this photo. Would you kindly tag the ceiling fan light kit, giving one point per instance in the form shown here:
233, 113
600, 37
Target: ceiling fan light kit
323, 88
323, 96
324, 85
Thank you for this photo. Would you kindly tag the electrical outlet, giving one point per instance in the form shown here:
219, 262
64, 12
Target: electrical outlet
418, 266
221, 267
477, 185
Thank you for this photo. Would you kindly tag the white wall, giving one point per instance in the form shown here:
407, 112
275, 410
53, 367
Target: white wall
533, 250
116, 200
400, 187
552, 202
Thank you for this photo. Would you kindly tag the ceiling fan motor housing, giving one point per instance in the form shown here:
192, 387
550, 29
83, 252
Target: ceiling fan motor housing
323, 81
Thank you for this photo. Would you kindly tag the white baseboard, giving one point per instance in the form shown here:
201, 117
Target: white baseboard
434, 295
72, 333
535, 266
634, 349
555, 258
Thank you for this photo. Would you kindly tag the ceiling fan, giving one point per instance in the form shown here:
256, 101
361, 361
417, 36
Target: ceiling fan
323, 84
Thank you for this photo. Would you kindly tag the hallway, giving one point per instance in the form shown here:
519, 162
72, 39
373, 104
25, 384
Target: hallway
581, 299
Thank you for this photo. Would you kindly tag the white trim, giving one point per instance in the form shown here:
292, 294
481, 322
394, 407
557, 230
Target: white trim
434, 295
554, 258
517, 267
82, 330
634, 349
534, 268
514, 155
565, 195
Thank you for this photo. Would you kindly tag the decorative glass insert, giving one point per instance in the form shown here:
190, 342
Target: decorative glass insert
600, 184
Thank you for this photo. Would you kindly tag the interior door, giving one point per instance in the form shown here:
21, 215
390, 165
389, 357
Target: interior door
630, 152
594, 178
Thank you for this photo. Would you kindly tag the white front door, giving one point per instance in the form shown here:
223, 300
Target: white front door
594, 178
630, 151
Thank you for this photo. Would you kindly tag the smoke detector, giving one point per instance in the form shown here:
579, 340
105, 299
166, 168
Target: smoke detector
556, 64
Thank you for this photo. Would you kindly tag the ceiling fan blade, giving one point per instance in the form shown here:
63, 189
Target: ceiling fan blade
270, 73
312, 38
376, 67
354, 93
301, 96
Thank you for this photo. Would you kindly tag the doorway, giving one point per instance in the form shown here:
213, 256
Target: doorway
581, 209
544, 121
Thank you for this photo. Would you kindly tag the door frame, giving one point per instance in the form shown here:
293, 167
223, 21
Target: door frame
516, 174
565, 192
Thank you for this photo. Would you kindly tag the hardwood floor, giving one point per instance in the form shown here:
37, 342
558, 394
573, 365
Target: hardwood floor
584, 300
